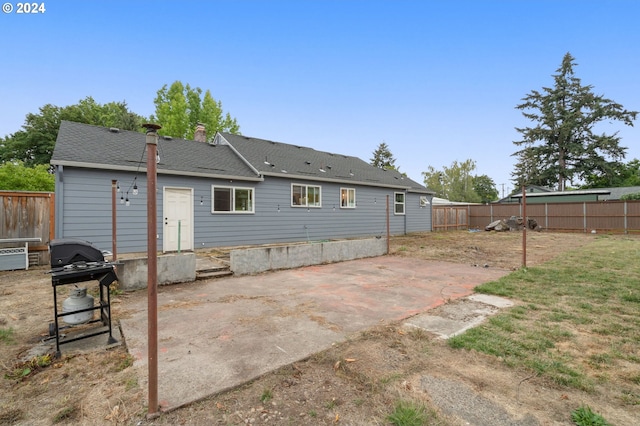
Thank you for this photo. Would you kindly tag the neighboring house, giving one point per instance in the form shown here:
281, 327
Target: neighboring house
574, 196
531, 189
617, 193
444, 202
232, 191
541, 195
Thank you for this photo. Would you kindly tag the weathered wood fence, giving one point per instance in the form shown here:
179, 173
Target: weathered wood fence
599, 216
28, 215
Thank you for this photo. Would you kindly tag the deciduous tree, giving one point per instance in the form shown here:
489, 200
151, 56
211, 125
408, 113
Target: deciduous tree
562, 144
623, 174
179, 108
485, 187
15, 176
35, 142
455, 183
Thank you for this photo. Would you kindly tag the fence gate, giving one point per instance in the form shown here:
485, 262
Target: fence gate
446, 218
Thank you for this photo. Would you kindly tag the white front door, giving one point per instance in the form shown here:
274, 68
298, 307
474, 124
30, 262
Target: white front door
178, 219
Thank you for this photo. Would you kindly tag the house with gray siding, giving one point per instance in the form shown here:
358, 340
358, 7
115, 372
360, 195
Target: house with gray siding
233, 190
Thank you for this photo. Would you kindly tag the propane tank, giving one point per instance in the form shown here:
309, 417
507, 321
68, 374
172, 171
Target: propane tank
78, 299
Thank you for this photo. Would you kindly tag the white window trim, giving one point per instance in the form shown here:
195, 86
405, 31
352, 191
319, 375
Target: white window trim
403, 203
233, 199
355, 203
306, 201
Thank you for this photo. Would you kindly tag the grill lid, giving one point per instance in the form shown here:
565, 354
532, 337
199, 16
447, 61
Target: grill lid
67, 251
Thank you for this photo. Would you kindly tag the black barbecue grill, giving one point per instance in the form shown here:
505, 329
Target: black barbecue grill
75, 261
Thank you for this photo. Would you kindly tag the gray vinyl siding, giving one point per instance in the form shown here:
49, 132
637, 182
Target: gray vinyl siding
418, 217
83, 210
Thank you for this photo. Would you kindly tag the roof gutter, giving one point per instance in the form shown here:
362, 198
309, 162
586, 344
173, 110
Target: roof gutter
159, 171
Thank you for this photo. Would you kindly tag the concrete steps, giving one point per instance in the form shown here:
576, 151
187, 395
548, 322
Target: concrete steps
214, 272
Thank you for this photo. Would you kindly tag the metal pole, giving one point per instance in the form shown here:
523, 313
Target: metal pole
114, 249
152, 266
388, 231
524, 229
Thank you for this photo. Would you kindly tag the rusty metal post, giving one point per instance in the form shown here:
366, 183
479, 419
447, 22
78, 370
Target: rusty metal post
113, 220
152, 266
388, 232
524, 228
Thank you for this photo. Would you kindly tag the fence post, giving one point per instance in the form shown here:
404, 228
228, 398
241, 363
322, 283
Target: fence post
546, 215
626, 231
584, 216
491, 212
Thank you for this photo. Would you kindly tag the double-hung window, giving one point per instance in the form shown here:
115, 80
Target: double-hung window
347, 198
398, 203
305, 196
228, 199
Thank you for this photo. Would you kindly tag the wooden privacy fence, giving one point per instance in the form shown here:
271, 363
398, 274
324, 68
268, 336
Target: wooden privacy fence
599, 216
27, 216
448, 218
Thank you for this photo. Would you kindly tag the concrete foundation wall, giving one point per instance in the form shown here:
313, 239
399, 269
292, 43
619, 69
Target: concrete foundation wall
172, 268
255, 260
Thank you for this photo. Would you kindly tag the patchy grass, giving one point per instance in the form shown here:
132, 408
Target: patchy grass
267, 395
578, 323
583, 416
408, 413
6, 335
23, 369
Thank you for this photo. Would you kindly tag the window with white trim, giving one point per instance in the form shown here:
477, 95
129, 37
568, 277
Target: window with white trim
347, 198
305, 196
398, 203
229, 199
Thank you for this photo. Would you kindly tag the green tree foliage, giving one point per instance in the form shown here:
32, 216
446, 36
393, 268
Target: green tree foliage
180, 108
383, 158
457, 182
15, 176
634, 196
35, 142
485, 187
622, 174
562, 144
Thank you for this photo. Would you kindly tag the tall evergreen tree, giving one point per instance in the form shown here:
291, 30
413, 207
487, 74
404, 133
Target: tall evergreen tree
383, 158
562, 145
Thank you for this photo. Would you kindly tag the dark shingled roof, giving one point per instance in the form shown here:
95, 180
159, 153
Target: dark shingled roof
83, 145
293, 161
229, 156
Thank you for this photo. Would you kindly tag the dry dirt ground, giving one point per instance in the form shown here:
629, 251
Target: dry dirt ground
354, 383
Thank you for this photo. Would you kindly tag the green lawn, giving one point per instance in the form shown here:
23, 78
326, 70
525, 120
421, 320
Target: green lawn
576, 321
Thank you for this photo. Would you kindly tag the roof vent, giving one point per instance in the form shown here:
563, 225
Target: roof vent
308, 163
114, 130
167, 138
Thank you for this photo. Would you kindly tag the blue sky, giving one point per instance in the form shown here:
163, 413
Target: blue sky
436, 80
